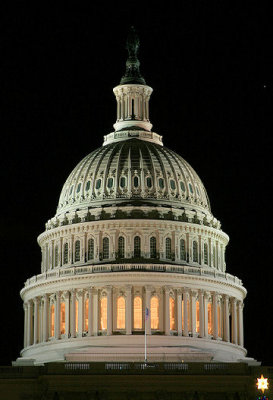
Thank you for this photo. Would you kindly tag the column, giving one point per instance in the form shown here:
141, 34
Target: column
57, 316
67, 313
147, 320
45, 322
95, 311
29, 323
240, 321
234, 321
73, 314
36, 320
128, 310
206, 294
226, 319
185, 303
109, 310
215, 315
166, 318
201, 314
25, 323
90, 305
193, 312
80, 295
179, 312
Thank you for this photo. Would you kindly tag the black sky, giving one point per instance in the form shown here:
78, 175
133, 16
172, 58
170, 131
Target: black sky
211, 70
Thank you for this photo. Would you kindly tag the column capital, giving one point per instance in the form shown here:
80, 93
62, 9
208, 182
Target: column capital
58, 294
206, 294
25, 306
66, 294
233, 300
225, 297
109, 288
128, 288
194, 293
179, 292
36, 300
148, 288
240, 304
167, 288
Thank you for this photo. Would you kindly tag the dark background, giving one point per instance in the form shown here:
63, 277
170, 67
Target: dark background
210, 67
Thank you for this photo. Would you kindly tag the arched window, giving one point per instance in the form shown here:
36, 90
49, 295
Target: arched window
137, 247
197, 317
105, 248
121, 313
154, 313
194, 251
168, 250
209, 318
56, 256
172, 314
66, 253
205, 253
86, 307
77, 250
90, 249
62, 318
121, 246
137, 312
153, 247
103, 313
52, 320
182, 250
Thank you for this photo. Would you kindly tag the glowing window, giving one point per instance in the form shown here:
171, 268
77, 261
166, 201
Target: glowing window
52, 320
121, 313
121, 247
77, 315
98, 184
209, 318
62, 318
135, 181
219, 321
77, 250
86, 307
122, 182
154, 313
182, 250
137, 312
153, 247
168, 251
194, 251
90, 249
103, 313
191, 189
197, 317
137, 246
161, 183
172, 315
87, 186
110, 183
149, 182
79, 187
56, 256
66, 253
205, 253
105, 248
172, 184
182, 186
71, 190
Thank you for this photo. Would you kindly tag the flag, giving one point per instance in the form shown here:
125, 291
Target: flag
146, 313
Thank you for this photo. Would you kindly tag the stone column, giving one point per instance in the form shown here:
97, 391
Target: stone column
95, 311
67, 313
147, 321
234, 321
166, 318
206, 295
179, 312
36, 320
57, 316
215, 315
29, 323
45, 317
90, 305
109, 310
201, 314
185, 303
25, 323
226, 318
80, 294
73, 314
240, 321
193, 312
128, 312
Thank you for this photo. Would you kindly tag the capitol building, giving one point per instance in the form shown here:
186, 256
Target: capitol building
133, 254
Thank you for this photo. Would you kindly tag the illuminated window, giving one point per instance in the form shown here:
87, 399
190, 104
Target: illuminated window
172, 315
87, 187
66, 253
194, 251
110, 183
172, 184
209, 318
154, 313
121, 313
153, 247
105, 248
121, 246
137, 312
161, 183
122, 182
168, 248
197, 317
90, 249
137, 246
56, 256
205, 253
62, 318
219, 321
77, 316
103, 313
149, 182
52, 320
135, 181
77, 250
86, 306
182, 250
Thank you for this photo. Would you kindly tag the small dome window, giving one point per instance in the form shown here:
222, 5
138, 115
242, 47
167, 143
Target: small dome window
98, 183
149, 182
182, 186
71, 189
110, 183
190, 187
87, 187
161, 183
79, 187
135, 181
122, 182
197, 190
172, 184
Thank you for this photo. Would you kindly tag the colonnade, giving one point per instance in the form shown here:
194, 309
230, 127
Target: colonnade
125, 310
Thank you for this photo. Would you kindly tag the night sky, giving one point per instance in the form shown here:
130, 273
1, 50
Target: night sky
211, 71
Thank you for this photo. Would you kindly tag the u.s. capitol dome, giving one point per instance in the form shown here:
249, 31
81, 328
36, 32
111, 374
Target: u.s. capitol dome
133, 251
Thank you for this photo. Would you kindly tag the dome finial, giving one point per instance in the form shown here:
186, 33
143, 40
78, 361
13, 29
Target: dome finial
132, 74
